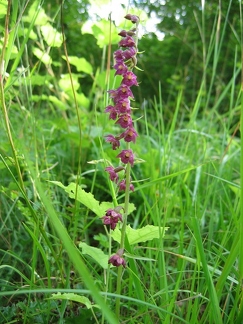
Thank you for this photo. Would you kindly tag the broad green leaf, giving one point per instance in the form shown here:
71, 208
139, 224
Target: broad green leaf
74, 297
88, 200
43, 57
38, 79
65, 82
81, 64
144, 234
31, 34
3, 8
82, 100
102, 31
61, 105
37, 98
97, 254
51, 35
41, 19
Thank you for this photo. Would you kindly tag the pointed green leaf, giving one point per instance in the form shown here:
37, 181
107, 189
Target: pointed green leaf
74, 297
146, 233
97, 254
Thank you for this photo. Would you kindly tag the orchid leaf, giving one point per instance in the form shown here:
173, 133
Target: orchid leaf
144, 234
87, 199
97, 254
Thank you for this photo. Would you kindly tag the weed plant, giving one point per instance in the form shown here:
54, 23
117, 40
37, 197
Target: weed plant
54, 190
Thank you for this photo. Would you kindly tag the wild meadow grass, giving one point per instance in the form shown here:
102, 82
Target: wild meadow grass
187, 179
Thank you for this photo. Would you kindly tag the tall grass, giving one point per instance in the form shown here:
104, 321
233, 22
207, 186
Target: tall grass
189, 181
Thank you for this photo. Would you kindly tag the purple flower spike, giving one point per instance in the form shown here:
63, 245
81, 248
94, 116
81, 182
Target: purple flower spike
125, 60
126, 156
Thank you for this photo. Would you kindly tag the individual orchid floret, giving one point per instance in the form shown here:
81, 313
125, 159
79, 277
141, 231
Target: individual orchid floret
129, 135
112, 217
126, 156
129, 53
112, 111
132, 32
134, 19
127, 41
120, 68
123, 33
130, 79
113, 140
123, 106
114, 95
113, 175
117, 260
122, 186
124, 121
118, 55
123, 91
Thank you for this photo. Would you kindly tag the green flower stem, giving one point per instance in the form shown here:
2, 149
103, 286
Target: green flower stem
123, 232
126, 206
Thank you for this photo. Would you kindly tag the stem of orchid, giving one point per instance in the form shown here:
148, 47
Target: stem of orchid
123, 232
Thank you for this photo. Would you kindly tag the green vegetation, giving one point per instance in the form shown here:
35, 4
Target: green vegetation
53, 188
